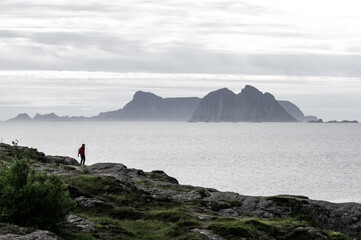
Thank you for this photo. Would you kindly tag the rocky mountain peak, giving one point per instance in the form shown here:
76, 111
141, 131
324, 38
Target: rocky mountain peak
250, 105
144, 96
21, 117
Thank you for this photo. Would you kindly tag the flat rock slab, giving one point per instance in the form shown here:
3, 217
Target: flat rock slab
38, 235
206, 217
61, 160
207, 233
88, 202
81, 224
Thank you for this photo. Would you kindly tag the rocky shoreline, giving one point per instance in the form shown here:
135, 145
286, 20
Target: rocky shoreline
116, 202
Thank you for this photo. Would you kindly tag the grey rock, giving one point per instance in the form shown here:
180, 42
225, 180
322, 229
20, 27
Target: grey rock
214, 206
119, 172
113, 169
88, 202
205, 217
342, 217
174, 195
38, 235
162, 176
61, 160
308, 233
207, 233
81, 224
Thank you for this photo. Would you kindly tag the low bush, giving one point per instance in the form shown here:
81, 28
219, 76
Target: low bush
29, 198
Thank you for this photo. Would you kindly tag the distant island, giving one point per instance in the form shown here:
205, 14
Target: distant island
222, 105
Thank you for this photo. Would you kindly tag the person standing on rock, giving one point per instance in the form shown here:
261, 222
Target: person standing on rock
81, 151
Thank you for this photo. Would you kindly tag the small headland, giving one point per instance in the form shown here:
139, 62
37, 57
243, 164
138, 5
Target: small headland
116, 202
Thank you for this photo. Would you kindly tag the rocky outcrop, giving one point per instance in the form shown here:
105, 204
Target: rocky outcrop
85, 202
250, 105
296, 112
345, 217
80, 224
115, 202
207, 234
61, 160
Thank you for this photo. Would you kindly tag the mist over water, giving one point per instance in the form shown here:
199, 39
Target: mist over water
321, 161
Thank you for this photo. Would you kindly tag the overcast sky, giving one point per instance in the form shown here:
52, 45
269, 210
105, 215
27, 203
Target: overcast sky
83, 57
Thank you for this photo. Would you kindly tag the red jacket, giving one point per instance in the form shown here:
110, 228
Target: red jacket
81, 151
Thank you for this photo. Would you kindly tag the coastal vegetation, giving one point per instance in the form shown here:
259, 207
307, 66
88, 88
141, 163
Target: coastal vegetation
30, 198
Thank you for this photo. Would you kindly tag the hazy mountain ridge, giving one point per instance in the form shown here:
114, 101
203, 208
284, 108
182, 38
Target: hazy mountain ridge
250, 105
24, 117
296, 111
148, 106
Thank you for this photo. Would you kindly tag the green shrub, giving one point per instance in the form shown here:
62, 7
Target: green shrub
29, 198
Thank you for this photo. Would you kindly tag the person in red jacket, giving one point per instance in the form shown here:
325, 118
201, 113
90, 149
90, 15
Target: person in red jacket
81, 151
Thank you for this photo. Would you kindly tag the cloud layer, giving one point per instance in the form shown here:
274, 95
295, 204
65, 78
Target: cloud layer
248, 37
80, 58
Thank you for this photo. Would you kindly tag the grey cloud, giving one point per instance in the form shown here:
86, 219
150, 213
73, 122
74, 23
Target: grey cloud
74, 6
119, 55
243, 6
14, 103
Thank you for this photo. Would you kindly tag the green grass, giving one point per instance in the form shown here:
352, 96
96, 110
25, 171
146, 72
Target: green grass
6, 228
67, 235
338, 236
295, 205
94, 184
131, 215
232, 228
156, 224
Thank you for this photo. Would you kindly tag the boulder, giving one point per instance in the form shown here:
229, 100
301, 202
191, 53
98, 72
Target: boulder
61, 160
80, 224
161, 176
112, 169
208, 234
88, 202
38, 235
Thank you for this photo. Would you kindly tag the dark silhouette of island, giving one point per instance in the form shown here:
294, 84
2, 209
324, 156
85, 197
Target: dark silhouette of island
48, 117
296, 112
22, 117
343, 121
221, 105
147, 106
250, 105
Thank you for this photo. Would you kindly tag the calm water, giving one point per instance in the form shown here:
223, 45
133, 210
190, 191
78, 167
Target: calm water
322, 161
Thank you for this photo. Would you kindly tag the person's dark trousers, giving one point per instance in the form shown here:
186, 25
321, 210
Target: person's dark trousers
82, 161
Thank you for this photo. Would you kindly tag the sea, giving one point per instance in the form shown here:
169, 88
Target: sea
321, 161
